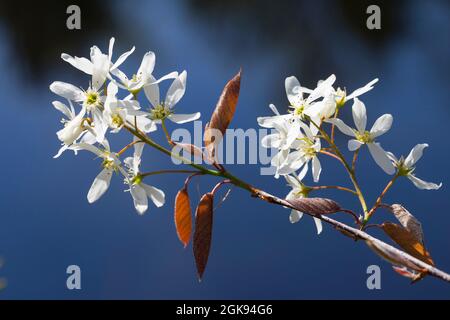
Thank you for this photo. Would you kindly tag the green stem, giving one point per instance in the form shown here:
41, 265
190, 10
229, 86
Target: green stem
152, 173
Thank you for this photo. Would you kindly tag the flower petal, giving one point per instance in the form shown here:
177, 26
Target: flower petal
183, 118
152, 93
415, 154
139, 198
295, 216
362, 90
122, 58
100, 185
81, 64
423, 185
293, 91
359, 115
382, 125
354, 145
176, 90
345, 129
67, 90
155, 194
63, 109
318, 224
381, 158
316, 169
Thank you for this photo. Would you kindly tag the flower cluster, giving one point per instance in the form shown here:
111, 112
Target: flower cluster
299, 133
93, 111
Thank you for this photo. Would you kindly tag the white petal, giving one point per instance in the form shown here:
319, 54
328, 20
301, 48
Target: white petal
303, 172
155, 194
100, 185
423, 184
139, 198
63, 109
271, 141
81, 64
293, 162
146, 67
67, 90
316, 169
345, 129
152, 93
382, 125
293, 91
176, 90
274, 109
295, 216
99, 125
111, 47
362, 90
415, 154
359, 115
183, 118
354, 145
122, 58
292, 181
381, 158
318, 224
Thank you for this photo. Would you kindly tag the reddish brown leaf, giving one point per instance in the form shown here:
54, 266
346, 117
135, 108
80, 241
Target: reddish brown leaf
203, 232
222, 115
183, 216
315, 205
408, 221
407, 241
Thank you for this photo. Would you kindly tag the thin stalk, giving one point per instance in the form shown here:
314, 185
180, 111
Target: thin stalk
379, 199
355, 157
166, 132
128, 146
334, 187
152, 173
333, 127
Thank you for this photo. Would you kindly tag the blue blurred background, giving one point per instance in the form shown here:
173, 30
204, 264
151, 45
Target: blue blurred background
46, 223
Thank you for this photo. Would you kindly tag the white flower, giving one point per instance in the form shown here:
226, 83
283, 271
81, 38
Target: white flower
362, 136
309, 106
73, 126
110, 164
307, 146
406, 167
287, 129
165, 110
138, 189
143, 76
118, 112
299, 191
91, 101
100, 64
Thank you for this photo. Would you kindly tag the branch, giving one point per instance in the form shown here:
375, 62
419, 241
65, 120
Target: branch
358, 234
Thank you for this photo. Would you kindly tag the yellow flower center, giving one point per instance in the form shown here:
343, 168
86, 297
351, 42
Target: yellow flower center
160, 112
364, 137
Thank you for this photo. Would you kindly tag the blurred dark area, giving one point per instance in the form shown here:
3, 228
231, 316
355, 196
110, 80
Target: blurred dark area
36, 34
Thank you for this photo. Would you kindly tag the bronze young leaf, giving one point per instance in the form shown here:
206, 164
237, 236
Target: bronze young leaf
203, 232
315, 205
408, 221
408, 241
222, 115
183, 216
